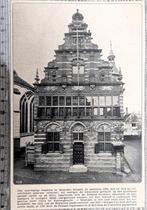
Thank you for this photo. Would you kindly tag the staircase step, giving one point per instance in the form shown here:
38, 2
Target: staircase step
77, 169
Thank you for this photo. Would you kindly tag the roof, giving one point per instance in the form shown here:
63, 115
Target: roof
19, 81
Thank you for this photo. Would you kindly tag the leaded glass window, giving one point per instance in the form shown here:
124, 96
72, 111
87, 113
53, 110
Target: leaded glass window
95, 101
68, 100
102, 100
115, 100
41, 100
82, 100
108, 101
88, 101
61, 100
75, 100
48, 100
53, 141
55, 100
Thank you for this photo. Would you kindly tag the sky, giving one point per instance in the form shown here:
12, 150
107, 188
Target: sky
38, 29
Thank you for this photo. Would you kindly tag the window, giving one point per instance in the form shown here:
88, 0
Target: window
101, 111
24, 115
76, 70
75, 111
61, 111
75, 100
48, 112
61, 100
102, 100
26, 106
88, 111
48, 100
81, 111
81, 100
108, 111
77, 136
68, 100
95, 101
81, 69
41, 100
32, 115
116, 111
88, 101
55, 100
91, 57
104, 136
54, 76
115, 100
100, 136
134, 125
104, 133
68, 111
108, 101
54, 112
40, 112
53, 141
95, 111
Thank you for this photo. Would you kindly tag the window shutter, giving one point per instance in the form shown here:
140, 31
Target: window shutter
96, 148
44, 148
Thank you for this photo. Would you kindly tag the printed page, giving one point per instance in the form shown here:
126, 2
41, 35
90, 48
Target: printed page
78, 105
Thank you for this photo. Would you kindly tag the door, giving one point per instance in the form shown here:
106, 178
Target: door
78, 153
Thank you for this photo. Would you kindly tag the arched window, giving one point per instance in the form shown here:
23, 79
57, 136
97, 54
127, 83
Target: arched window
52, 143
78, 132
26, 112
23, 114
32, 115
104, 137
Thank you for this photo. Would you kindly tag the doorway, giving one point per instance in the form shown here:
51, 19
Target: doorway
78, 153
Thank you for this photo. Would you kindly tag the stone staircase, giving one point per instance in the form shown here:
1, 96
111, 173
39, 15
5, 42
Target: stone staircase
78, 169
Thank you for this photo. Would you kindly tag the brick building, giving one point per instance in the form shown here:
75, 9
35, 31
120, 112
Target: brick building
79, 107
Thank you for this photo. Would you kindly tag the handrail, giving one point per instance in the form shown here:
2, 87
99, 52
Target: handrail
122, 155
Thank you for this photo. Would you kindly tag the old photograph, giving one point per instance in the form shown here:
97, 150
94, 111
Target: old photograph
77, 93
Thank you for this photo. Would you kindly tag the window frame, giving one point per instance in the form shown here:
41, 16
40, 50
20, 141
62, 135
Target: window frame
53, 142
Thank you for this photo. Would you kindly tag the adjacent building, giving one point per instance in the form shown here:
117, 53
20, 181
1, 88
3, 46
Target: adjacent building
23, 109
78, 107
132, 126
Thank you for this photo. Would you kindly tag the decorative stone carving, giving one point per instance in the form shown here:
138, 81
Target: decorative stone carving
78, 128
76, 88
50, 88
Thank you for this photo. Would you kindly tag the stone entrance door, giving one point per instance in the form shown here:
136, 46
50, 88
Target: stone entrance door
78, 153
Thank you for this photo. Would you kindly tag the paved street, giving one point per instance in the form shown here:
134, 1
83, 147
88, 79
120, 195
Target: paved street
26, 175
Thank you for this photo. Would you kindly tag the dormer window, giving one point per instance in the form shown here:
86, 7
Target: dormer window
54, 76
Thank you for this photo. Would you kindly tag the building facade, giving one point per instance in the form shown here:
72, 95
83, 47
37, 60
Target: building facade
78, 113
132, 126
23, 105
